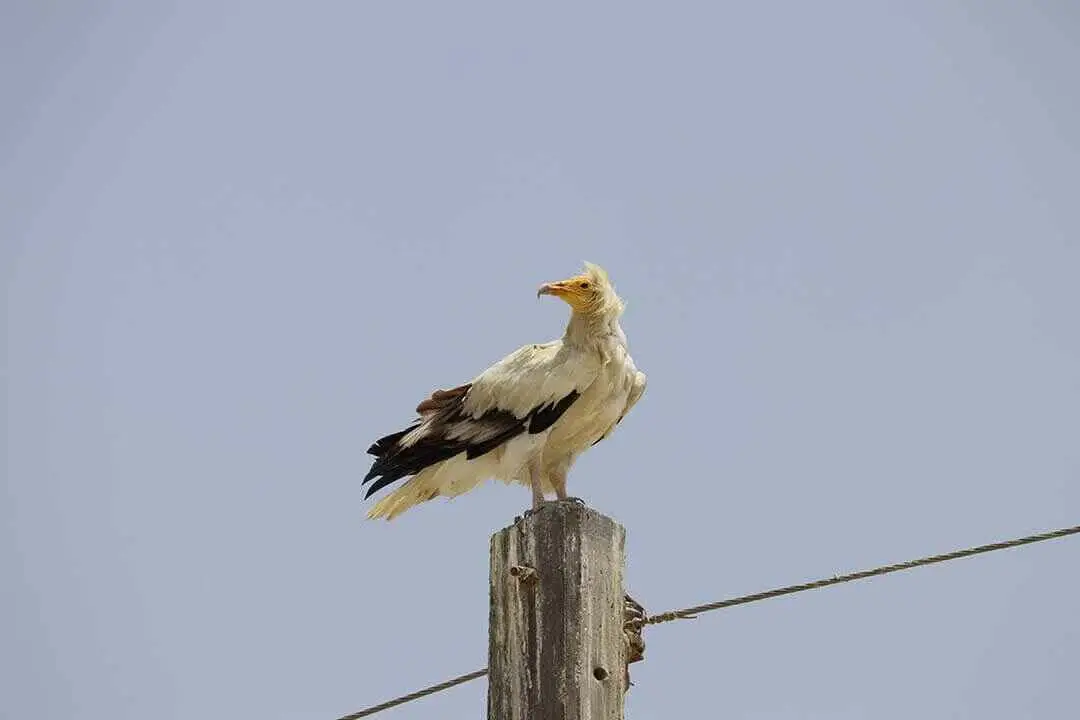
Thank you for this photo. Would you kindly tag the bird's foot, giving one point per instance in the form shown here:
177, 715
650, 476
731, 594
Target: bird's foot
541, 503
537, 504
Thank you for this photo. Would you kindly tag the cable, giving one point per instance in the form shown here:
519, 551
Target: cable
688, 613
416, 695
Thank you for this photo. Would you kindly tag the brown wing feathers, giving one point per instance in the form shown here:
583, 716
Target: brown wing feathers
441, 398
449, 431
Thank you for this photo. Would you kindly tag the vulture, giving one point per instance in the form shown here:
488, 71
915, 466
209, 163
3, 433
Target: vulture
523, 420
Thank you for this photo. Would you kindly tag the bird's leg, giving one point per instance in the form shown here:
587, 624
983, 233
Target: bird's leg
535, 480
558, 479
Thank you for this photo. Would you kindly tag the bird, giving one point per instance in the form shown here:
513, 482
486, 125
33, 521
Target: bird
525, 419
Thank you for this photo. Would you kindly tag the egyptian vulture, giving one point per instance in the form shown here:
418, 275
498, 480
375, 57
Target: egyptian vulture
526, 418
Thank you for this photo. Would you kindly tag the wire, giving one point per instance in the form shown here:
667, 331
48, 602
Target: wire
688, 613
416, 695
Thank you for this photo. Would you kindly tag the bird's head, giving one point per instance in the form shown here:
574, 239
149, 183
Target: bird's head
590, 293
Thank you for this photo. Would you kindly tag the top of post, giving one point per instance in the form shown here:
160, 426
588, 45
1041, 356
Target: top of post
561, 512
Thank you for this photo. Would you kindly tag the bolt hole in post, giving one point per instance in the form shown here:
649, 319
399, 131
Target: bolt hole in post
600, 673
523, 573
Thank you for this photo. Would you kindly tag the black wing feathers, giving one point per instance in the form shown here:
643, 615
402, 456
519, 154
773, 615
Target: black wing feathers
451, 432
541, 418
381, 445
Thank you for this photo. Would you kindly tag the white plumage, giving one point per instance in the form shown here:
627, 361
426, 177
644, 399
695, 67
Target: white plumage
526, 418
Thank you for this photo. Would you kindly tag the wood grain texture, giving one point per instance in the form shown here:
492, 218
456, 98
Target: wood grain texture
557, 650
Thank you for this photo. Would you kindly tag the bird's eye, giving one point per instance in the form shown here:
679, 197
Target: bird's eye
584, 286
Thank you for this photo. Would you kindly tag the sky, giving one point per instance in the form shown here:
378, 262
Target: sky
241, 240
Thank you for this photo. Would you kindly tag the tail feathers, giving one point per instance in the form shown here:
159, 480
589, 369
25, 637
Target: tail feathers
449, 479
400, 500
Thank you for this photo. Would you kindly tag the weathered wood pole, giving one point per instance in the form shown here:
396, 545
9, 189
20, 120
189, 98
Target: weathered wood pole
556, 649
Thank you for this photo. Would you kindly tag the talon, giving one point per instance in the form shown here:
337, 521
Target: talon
577, 500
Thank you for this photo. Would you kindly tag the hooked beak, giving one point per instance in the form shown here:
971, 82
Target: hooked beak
556, 288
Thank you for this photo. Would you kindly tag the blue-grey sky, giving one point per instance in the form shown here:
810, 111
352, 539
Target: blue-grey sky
241, 240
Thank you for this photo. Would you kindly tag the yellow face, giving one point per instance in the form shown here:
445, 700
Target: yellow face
578, 292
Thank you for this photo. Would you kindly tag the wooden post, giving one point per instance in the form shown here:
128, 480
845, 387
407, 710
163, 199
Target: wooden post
556, 649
